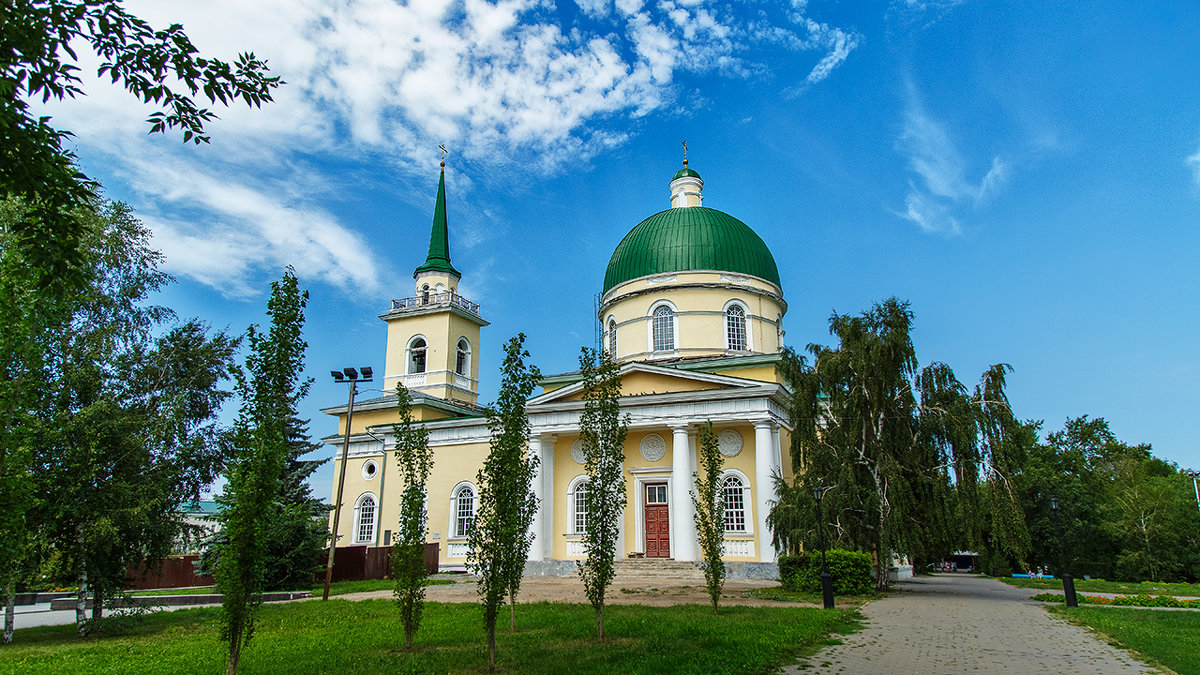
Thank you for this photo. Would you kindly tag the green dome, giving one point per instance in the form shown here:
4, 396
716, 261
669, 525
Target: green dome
690, 238
685, 172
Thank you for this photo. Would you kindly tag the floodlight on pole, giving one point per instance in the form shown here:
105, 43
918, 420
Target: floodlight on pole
1195, 484
345, 375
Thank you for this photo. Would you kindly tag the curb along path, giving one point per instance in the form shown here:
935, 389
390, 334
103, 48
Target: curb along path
955, 624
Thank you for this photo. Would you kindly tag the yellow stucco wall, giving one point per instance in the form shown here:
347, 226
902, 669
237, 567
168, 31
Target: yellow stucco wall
441, 330
700, 314
567, 470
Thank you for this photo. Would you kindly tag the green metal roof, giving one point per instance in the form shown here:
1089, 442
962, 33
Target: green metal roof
685, 172
690, 238
438, 259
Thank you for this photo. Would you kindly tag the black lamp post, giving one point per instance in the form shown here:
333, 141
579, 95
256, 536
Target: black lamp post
1068, 582
826, 580
346, 375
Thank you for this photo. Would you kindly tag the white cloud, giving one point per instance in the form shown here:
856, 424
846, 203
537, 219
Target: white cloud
510, 84
1194, 163
941, 186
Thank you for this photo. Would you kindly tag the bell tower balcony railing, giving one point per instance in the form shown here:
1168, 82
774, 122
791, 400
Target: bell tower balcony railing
434, 300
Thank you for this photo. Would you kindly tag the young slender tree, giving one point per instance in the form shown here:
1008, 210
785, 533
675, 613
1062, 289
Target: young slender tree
413, 462
270, 388
709, 503
500, 537
602, 431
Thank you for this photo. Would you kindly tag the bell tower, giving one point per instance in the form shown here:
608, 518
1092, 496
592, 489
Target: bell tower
433, 335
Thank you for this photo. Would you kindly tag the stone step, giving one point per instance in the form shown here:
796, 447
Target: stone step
657, 568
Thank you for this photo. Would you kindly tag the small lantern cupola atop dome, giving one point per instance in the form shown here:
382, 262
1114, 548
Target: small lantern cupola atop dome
686, 185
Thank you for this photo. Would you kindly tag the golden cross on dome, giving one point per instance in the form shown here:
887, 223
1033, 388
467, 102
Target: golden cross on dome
685, 153
442, 147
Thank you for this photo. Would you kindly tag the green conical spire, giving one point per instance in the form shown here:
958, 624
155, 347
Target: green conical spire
438, 259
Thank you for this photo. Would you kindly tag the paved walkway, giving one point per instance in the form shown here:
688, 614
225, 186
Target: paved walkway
958, 624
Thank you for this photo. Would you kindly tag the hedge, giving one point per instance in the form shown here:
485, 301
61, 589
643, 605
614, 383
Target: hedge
851, 572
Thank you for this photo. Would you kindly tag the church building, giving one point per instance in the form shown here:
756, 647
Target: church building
692, 310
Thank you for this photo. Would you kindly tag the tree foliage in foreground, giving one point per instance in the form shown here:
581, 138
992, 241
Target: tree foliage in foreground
270, 389
414, 460
122, 427
602, 431
709, 503
904, 448
500, 537
38, 61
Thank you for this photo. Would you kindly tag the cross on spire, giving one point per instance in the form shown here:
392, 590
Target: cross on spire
685, 153
444, 151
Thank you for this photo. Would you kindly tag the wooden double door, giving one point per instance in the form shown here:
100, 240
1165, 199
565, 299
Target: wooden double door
658, 521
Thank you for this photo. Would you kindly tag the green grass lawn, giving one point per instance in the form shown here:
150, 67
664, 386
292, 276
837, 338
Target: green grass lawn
1102, 586
1167, 637
366, 637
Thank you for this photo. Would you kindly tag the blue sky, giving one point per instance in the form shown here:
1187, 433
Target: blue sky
1027, 175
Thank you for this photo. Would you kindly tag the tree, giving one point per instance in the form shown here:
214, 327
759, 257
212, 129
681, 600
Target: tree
904, 447
270, 388
709, 503
126, 430
500, 537
602, 431
38, 61
414, 460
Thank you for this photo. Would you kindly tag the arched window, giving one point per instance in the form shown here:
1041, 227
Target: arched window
416, 355
364, 518
425, 294
577, 502
463, 509
462, 364
735, 328
663, 324
612, 337
734, 494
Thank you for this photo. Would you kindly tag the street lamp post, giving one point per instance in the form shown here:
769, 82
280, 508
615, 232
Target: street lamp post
1068, 582
346, 375
1195, 485
826, 580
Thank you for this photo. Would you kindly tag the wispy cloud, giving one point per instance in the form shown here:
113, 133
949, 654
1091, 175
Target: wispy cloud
941, 186
520, 85
1194, 163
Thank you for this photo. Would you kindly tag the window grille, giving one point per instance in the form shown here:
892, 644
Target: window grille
366, 519
735, 505
465, 511
735, 328
581, 508
612, 338
664, 329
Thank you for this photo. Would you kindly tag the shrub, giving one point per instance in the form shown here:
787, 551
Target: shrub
851, 572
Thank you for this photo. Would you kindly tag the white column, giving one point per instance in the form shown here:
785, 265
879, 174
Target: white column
537, 548
764, 486
683, 526
548, 497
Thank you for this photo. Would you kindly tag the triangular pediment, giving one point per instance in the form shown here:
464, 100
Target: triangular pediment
644, 379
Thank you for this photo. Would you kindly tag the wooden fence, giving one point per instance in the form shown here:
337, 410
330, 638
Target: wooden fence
350, 563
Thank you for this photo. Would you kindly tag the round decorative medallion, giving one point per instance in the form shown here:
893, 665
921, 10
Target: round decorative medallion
577, 451
730, 442
653, 447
